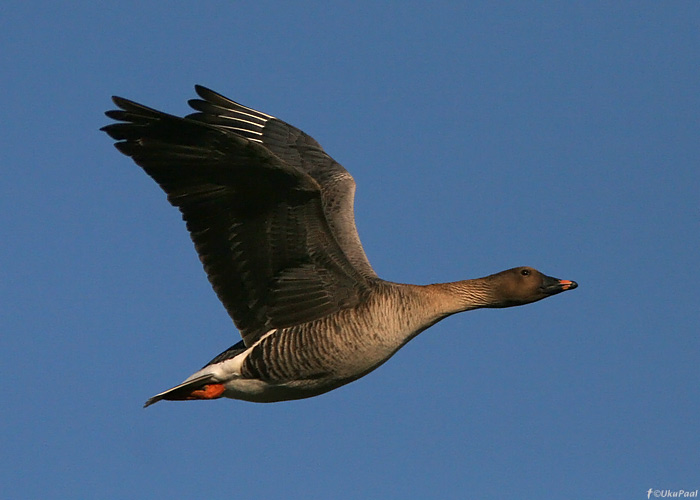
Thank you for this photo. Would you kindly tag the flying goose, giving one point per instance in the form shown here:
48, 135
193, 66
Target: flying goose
271, 217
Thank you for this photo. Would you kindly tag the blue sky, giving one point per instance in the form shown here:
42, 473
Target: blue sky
482, 135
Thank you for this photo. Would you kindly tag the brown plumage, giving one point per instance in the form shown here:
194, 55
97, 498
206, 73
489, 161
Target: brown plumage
271, 217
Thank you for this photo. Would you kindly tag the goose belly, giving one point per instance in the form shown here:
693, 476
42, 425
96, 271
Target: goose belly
308, 360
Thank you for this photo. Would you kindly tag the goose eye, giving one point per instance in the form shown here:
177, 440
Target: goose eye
525, 272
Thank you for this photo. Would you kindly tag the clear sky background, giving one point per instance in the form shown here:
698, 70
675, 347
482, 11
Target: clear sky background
482, 135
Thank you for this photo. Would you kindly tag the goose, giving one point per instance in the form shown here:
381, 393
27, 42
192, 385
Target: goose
271, 216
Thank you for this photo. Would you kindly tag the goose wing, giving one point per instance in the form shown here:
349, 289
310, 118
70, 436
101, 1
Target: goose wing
257, 222
299, 150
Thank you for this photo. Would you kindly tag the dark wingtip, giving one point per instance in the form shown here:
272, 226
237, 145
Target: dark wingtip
122, 102
203, 91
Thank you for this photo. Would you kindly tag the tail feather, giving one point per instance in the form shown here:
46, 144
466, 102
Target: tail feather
183, 391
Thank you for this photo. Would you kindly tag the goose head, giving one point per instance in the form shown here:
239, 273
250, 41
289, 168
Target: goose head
523, 285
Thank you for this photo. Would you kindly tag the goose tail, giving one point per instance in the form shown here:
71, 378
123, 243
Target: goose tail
204, 387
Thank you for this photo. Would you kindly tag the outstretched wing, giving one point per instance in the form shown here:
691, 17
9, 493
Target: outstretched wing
257, 222
299, 150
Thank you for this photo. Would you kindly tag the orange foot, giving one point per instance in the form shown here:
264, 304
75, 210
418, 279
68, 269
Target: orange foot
209, 391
